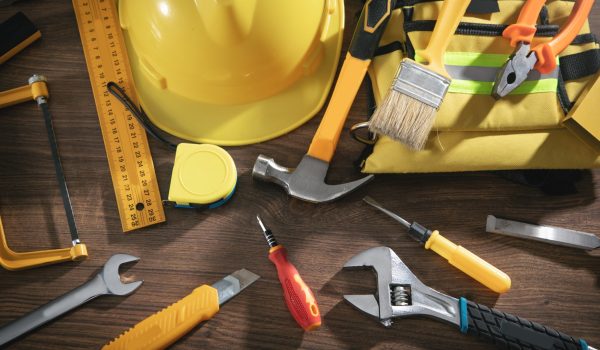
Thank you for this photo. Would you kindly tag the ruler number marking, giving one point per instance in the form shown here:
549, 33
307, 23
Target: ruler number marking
99, 22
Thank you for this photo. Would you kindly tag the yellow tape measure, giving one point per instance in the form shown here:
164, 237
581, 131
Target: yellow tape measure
127, 149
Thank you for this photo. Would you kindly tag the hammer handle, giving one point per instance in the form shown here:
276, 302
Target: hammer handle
326, 139
369, 29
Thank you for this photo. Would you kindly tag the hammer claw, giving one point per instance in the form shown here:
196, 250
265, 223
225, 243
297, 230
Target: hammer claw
307, 181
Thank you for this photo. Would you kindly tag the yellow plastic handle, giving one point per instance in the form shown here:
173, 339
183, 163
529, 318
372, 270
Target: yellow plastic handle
23, 94
326, 138
469, 263
15, 96
165, 327
448, 20
11, 260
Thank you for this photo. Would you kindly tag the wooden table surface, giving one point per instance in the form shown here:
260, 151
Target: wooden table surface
552, 285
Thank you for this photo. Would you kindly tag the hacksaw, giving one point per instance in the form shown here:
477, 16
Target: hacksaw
130, 162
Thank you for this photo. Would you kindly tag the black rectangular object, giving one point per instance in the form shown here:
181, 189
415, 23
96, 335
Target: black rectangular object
14, 31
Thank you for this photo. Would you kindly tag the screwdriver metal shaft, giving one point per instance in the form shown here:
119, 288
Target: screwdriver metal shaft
374, 203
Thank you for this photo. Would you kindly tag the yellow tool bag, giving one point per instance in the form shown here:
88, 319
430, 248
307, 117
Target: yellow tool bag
472, 130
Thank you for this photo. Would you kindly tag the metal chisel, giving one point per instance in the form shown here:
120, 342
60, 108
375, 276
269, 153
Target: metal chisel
548, 234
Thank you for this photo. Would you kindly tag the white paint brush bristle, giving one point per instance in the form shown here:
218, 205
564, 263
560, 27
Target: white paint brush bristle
408, 111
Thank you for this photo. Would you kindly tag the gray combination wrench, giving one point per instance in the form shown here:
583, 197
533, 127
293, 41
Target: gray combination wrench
106, 282
401, 294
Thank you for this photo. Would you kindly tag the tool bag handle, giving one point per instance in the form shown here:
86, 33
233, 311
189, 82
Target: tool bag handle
508, 331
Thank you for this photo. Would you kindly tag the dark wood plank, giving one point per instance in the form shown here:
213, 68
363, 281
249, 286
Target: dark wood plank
551, 285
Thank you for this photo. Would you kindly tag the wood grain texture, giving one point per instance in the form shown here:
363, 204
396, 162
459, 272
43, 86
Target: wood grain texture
555, 286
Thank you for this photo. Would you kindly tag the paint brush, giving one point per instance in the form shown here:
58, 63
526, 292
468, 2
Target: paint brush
408, 111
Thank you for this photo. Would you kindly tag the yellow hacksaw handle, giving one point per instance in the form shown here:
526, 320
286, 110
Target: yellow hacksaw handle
165, 327
469, 263
11, 260
23, 94
448, 20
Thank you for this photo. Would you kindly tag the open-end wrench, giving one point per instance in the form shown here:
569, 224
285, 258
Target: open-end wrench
106, 282
401, 294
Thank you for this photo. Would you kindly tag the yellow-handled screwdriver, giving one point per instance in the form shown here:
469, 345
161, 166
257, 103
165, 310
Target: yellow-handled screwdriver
459, 257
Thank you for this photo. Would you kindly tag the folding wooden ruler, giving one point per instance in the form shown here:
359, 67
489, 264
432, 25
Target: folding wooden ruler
127, 149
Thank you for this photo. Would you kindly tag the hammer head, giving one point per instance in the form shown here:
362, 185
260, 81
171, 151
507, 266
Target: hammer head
399, 292
307, 181
112, 279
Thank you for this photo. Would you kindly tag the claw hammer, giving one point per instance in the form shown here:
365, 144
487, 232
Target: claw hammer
307, 181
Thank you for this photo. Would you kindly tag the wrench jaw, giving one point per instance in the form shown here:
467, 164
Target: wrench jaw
112, 279
399, 292
365, 303
388, 268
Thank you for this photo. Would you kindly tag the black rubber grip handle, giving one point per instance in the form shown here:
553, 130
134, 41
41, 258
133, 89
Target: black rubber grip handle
511, 332
369, 29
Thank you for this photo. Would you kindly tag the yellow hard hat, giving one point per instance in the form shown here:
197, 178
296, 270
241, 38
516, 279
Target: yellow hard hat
232, 72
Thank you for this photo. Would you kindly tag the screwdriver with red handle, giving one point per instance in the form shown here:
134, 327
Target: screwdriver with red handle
299, 298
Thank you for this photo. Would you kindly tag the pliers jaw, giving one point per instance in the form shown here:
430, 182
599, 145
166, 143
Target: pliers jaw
399, 292
515, 71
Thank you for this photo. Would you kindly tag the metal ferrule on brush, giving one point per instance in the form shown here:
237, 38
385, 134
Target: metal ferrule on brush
418, 82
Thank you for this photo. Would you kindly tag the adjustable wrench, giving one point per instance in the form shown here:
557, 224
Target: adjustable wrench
401, 294
106, 282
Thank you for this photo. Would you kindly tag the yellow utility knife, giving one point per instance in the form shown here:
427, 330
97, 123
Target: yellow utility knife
165, 327
459, 257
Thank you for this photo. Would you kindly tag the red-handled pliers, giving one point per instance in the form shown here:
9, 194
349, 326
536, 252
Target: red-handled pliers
541, 57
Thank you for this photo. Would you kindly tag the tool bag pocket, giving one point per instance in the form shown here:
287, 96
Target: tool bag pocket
470, 118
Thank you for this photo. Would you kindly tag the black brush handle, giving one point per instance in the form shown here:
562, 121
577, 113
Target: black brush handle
369, 29
511, 332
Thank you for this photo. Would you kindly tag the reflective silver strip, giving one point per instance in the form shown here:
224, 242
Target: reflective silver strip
489, 74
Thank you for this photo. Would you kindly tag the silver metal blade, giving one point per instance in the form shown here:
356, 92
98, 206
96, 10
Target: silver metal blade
374, 204
547, 234
233, 284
